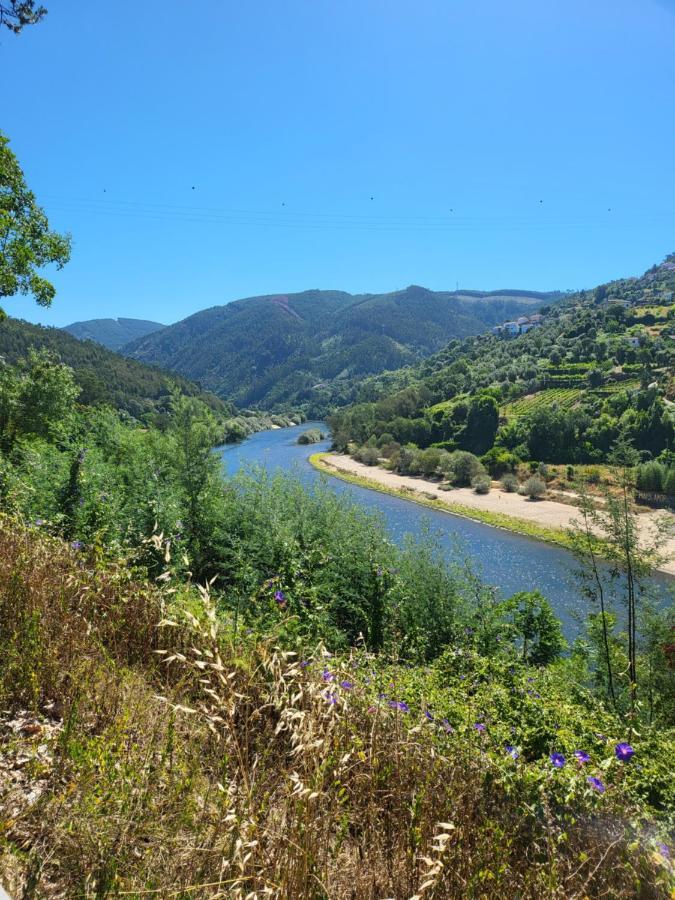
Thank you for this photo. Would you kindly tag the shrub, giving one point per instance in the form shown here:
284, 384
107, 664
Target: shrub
498, 461
509, 483
651, 476
534, 488
669, 483
390, 450
481, 484
368, 455
313, 436
385, 439
570, 473
462, 467
593, 476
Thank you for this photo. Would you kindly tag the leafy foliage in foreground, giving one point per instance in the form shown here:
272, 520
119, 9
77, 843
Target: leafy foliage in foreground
27, 244
199, 756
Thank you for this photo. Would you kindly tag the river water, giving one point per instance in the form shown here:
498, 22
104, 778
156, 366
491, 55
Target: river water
511, 561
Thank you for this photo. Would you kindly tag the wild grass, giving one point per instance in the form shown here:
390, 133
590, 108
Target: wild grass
189, 762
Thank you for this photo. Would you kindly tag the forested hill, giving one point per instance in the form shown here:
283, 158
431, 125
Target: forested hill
598, 366
103, 376
112, 333
308, 350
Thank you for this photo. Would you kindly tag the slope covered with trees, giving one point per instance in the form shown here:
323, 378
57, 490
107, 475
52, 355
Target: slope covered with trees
112, 333
308, 351
103, 377
600, 367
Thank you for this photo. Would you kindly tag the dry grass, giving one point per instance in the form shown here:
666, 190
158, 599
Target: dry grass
187, 764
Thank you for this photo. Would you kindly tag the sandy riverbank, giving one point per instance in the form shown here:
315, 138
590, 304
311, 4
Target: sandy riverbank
546, 519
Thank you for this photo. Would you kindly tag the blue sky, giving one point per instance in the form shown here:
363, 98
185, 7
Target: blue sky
203, 152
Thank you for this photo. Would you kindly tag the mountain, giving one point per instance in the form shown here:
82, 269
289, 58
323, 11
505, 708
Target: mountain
112, 333
595, 367
308, 350
103, 376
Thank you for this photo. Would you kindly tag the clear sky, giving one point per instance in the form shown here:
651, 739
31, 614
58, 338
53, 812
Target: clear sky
201, 152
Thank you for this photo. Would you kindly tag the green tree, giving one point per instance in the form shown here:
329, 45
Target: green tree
16, 14
481, 426
586, 547
36, 398
534, 627
632, 553
193, 432
26, 241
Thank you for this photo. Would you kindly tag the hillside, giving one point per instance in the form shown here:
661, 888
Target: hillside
309, 350
103, 376
599, 365
112, 333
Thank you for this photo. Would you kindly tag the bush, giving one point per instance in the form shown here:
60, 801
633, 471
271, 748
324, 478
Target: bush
570, 473
390, 450
593, 476
534, 488
385, 439
669, 483
498, 461
462, 466
368, 455
651, 477
509, 483
313, 436
429, 461
481, 484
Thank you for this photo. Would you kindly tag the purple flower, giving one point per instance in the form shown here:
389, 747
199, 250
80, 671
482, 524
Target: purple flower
582, 756
512, 751
280, 598
428, 715
76, 545
664, 850
596, 783
305, 663
347, 685
399, 704
39, 522
624, 752
447, 727
479, 726
327, 676
557, 759
331, 698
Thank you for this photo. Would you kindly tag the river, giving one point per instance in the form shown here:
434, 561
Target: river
511, 561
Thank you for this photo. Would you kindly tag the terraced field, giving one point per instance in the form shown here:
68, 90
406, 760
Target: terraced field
563, 397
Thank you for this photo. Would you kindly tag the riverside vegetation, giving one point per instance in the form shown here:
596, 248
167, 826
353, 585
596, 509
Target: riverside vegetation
235, 687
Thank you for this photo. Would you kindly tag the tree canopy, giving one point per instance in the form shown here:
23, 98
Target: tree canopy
27, 243
16, 14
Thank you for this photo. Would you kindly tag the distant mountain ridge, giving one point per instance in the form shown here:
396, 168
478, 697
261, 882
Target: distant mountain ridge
112, 333
308, 350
